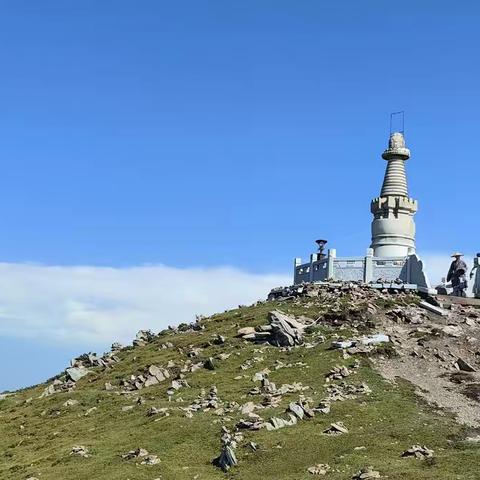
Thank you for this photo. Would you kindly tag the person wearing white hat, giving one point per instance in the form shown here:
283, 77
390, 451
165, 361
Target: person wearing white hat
456, 275
476, 271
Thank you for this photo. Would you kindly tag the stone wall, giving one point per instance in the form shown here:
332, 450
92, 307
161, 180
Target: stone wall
369, 269
349, 269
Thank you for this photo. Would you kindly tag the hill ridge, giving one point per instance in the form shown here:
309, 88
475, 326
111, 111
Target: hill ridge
285, 388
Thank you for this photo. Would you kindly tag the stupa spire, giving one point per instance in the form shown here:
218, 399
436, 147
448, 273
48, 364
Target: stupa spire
393, 228
395, 181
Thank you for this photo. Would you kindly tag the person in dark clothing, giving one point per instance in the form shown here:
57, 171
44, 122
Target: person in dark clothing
456, 275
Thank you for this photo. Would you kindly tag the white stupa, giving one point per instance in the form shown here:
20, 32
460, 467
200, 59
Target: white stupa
390, 261
393, 228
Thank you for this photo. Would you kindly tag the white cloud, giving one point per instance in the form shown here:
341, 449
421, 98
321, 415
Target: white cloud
95, 306
98, 305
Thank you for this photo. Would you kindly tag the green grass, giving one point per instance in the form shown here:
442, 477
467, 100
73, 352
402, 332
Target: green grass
37, 436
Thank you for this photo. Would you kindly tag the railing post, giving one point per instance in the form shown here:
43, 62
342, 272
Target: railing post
332, 253
368, 272
297, 261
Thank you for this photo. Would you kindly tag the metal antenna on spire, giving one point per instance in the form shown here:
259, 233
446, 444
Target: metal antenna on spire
397, 120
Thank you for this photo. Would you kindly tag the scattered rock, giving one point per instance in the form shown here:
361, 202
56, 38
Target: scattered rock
282, 331
418, 451
209, 364
408, 314
142, 454
323, 407
143, 337
464, 366
79, 451
286, 331
338, 373
154, 411
219, 340
366, 473
276, 422
58, 386
246, 331
319, 469
452, 330
432, 308
296, 409
152, 376
361, 344
117, 347
76, 373
344, 391
337, 428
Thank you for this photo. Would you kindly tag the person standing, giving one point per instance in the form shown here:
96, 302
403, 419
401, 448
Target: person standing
456, 275
476, 271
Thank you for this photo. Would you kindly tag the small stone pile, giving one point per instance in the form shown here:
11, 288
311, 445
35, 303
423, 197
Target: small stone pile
366, 473
319, 469
204, 402
152, 376
154, 411
269, 388
340, 392
79, 367
275, 423
313, 290
90, 360
336, 428
190, 367
227, 457
57, 386
143, 338
407, 314
142, 454
190, 327
283, 293
418, 451
282, 331
301, 409
116, 347
79, 451
343, 391
176, 385
295, 411
338, 373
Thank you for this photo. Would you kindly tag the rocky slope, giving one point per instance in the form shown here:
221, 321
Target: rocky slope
338, 381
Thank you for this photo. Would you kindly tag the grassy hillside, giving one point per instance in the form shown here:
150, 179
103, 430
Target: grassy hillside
37, 434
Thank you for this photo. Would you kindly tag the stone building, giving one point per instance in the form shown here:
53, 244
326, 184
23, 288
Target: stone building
391, 257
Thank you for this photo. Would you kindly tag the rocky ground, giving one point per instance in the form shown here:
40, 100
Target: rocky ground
338, 381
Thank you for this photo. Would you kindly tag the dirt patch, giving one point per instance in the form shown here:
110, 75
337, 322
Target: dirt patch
433, 387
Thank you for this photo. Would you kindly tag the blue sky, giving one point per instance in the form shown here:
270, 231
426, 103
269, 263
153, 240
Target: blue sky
200, 134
